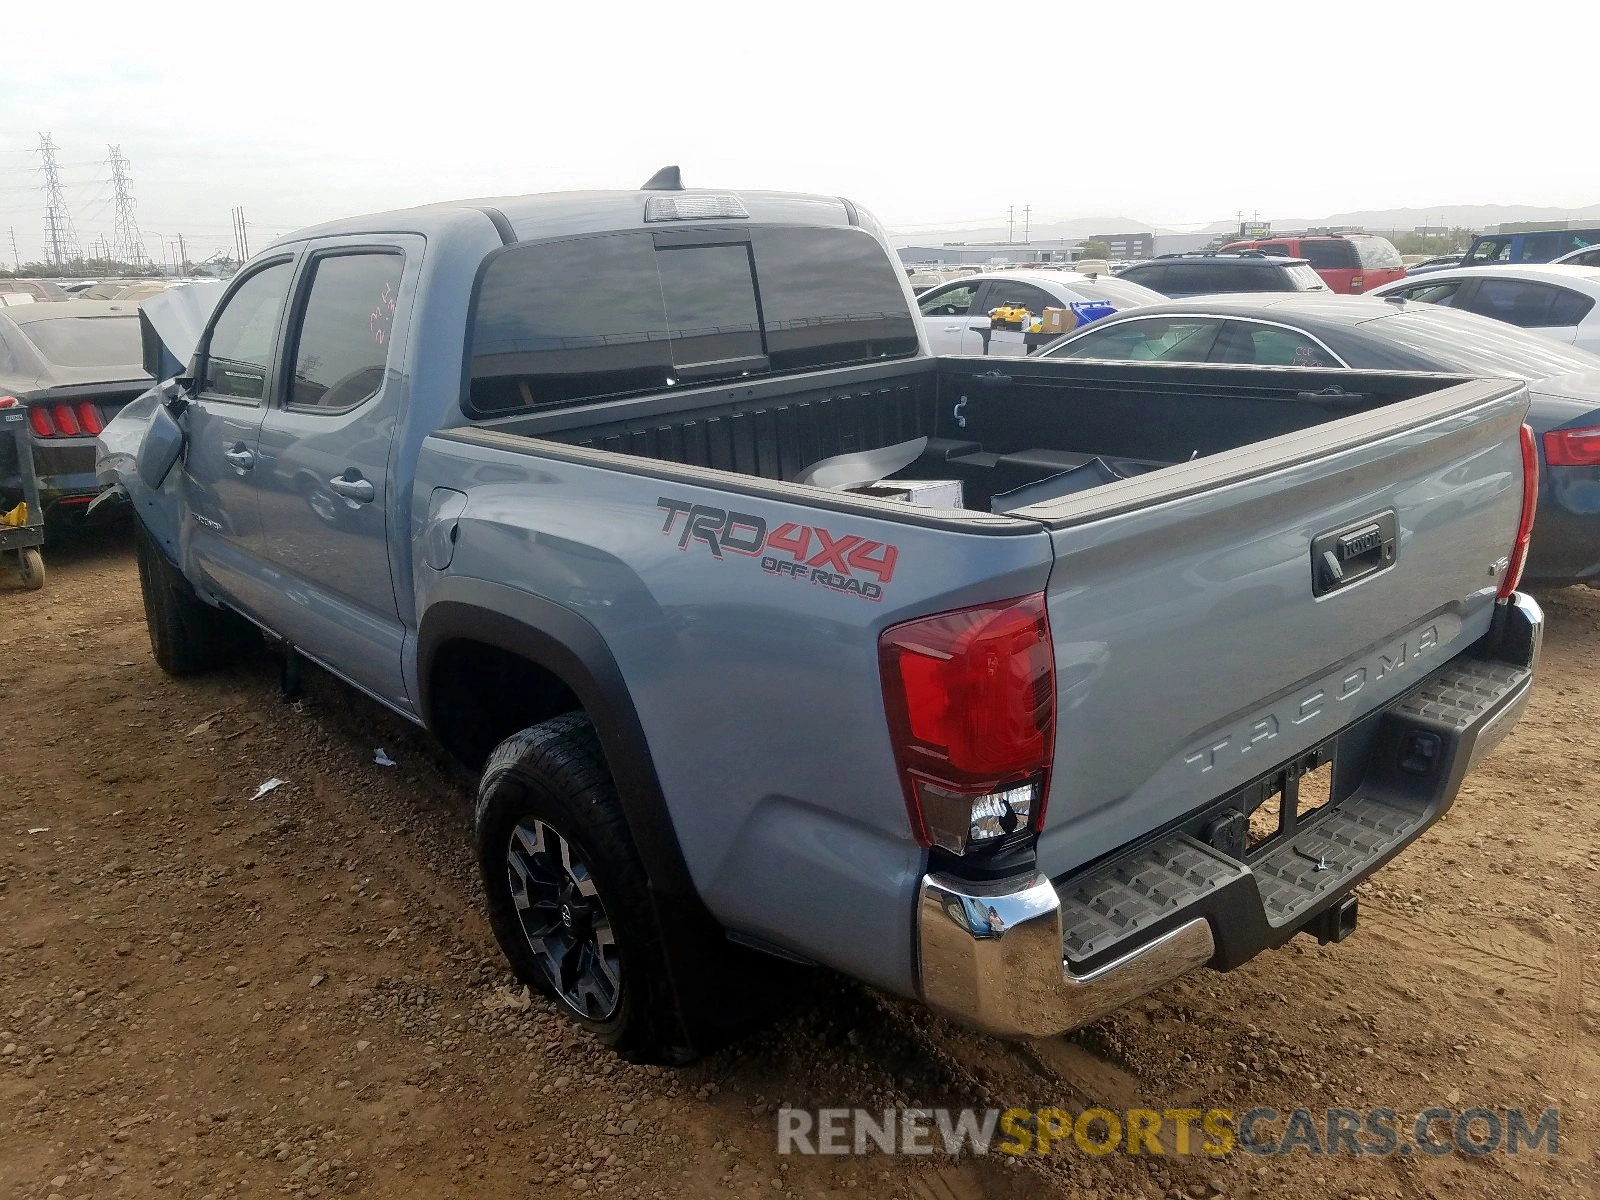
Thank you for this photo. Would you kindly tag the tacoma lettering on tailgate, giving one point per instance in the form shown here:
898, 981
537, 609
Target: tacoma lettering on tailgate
1256, 735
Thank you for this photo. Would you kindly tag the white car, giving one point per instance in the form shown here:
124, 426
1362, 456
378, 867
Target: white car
1587, 256
1560, 301
955, 314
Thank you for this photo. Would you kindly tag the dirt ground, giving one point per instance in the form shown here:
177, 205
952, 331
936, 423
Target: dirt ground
208, 995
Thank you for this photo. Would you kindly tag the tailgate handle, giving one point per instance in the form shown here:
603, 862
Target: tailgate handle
1343, 556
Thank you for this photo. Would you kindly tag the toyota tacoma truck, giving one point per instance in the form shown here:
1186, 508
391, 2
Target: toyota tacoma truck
778, 642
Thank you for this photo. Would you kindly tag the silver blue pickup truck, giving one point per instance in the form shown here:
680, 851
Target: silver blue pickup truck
1017, 686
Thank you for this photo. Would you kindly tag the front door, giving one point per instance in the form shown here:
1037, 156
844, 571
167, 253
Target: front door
223, 423
946, 311
323, 482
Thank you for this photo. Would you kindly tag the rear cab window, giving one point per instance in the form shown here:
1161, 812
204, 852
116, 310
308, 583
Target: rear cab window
1330, 254
619, 313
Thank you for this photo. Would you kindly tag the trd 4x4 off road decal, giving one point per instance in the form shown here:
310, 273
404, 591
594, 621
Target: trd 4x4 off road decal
805, 552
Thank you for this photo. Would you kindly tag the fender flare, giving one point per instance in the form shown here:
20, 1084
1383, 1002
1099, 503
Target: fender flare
705, 967
570, 648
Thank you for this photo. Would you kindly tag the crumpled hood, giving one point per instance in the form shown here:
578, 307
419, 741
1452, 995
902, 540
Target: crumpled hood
171, 323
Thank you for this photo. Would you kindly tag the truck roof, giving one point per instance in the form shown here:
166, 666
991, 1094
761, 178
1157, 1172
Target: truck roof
557, 214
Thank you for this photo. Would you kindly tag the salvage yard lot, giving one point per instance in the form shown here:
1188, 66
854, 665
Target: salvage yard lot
203, 994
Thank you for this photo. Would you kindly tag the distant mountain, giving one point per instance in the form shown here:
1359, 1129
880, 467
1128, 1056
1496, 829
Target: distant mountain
1468, 216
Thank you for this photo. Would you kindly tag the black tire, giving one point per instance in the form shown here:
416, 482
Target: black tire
31, 567
187, 635
549, 785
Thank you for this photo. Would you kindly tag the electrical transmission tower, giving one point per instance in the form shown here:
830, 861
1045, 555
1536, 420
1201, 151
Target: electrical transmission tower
60, 238
128, 243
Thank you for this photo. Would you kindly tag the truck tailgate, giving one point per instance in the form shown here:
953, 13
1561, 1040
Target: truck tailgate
1214, 620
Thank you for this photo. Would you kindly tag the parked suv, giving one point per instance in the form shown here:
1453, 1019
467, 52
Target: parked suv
1529, 246
1349, 263
1177, 275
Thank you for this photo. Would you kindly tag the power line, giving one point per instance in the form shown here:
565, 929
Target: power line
61, 239
124, 226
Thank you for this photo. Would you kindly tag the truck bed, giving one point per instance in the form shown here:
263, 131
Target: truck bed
996, 426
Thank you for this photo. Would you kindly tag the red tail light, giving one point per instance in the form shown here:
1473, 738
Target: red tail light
1357, 282
66, 420
9, 402
1572, 447
88, 417
970, 696
39, 419
1530, 497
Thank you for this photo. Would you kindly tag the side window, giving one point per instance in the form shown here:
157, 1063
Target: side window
1005, 293
1268, 346
1435, 293
1275, 250
1490, 250
1330, 254
1539, 247
952, 301
1153, 339
242, 335
1527, 305
342, 340
1264, 279
1153, 277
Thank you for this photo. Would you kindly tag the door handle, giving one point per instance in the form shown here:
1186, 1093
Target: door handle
239, 458
358, 489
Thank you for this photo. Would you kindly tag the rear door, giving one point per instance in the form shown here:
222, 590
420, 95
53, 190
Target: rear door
1544, 308
236, 371
323, 481
1003, 293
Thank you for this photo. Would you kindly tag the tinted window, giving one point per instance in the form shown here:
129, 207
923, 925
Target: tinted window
1269, 346
1330, 254
1195, 278
1584, 258
1303, 279
710, 298
1528, 305
1579, 239
1495, 249
1443, 292
1262, 279
241, 337
1539, 247
830, 297
1153, 339
1005, 293
1276, 250
952, 301
1459, 341
1377, 253
89, 342
603, 316
344, 333
1153, 277
564, 320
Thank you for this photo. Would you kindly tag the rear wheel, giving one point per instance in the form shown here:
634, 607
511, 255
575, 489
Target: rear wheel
568, 897
187, 635
30, 564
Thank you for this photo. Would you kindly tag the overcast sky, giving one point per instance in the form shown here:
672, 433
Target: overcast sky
921, 112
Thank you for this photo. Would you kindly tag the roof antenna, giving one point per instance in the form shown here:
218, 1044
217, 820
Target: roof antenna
665, 180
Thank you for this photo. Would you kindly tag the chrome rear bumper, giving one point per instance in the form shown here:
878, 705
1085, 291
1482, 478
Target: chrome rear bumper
994, 955
991, 957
